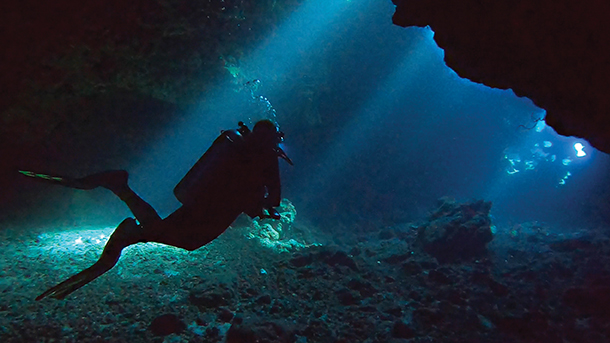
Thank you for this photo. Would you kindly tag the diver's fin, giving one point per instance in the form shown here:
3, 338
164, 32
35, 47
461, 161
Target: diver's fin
126, 234
56, 180
75, 282
113, 180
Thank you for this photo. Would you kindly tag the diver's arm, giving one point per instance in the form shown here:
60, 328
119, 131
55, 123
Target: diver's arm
270, 177
273, 184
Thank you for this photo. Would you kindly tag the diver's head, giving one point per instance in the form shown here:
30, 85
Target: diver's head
266, 136
266, 133
265, 125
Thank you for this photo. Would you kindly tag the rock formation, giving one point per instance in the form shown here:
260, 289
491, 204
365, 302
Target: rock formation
553, 52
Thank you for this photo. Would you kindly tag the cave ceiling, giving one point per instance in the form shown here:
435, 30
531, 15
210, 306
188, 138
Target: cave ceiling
556, 53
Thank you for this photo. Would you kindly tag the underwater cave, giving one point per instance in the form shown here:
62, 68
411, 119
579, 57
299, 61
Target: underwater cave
304, 171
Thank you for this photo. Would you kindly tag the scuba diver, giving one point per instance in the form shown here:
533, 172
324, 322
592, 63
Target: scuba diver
238, 174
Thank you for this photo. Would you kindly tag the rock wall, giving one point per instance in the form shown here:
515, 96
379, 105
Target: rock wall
553, 52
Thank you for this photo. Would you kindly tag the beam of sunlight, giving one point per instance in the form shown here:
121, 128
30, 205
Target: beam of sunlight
297, 38
363, 127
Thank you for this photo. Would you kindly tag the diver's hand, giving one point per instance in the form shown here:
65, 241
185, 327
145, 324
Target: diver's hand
271, 213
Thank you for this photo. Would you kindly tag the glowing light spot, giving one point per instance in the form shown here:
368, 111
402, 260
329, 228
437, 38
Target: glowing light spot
563, 180
566, 161
579, 150
79, 240
547, 144
540, 126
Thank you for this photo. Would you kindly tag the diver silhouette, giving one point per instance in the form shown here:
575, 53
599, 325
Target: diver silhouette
238, 173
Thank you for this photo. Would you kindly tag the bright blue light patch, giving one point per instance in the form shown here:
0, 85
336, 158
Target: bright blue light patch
540, 125
563, 180
548, 144
579, 150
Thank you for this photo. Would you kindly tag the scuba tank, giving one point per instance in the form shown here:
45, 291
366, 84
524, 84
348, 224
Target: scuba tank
203, 177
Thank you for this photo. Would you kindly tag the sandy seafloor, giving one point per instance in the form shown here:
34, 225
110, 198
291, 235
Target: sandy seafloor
533, 286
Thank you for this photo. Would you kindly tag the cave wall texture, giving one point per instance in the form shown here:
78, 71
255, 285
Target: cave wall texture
555, 52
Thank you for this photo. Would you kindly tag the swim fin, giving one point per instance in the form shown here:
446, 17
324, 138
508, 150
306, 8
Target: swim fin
113, 180
56, 180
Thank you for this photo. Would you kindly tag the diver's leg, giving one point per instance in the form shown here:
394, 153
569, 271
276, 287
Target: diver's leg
142, 210
190, 228
116, 181
126, 234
